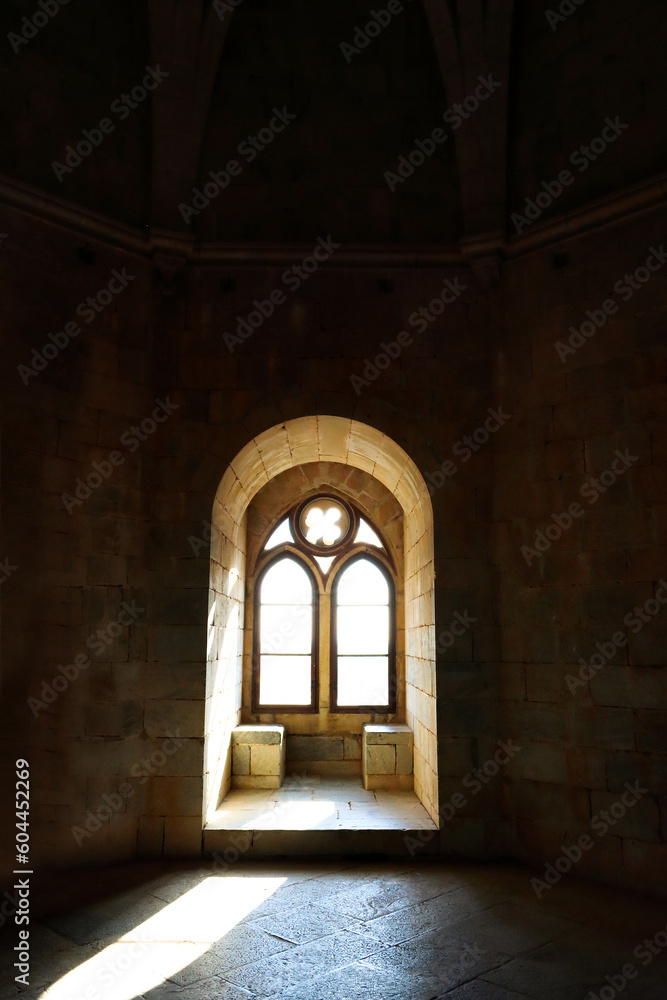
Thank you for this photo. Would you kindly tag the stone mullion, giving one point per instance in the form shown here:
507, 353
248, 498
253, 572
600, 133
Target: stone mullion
324, 664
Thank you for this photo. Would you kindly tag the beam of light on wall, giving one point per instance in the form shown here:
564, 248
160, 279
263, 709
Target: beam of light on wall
222, 704
167, 942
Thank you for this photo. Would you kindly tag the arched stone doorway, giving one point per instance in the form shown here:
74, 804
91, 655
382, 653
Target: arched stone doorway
284, 446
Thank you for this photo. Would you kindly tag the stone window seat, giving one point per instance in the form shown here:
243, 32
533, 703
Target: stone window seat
386, 757
258, 756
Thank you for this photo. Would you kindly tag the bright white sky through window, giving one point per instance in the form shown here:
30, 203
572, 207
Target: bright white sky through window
286, 624
283, 533
363, 635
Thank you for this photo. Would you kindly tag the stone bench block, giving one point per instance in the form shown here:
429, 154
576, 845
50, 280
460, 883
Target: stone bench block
258, 756
258, 734
386, 757
388, 734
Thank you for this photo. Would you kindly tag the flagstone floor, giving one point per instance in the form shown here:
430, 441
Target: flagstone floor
342, 931
320, 803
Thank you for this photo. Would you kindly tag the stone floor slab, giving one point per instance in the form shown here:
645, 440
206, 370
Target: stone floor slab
308, 922
320, 803
343, 930
242, 945
283, 971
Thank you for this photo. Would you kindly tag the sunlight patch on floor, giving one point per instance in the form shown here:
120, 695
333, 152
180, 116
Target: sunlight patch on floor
320, 803
167, 942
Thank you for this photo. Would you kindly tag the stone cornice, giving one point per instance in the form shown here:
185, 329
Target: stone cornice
181, 247
598, 214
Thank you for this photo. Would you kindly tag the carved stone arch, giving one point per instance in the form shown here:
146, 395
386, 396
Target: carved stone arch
283, 446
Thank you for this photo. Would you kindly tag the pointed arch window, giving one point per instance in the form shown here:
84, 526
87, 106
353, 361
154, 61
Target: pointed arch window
286, 637
362, 636
324, 569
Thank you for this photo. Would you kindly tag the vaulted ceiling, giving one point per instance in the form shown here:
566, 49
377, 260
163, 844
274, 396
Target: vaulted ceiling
471, 39
357, 111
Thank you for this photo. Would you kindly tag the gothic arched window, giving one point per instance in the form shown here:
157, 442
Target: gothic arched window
324, 571
362, 631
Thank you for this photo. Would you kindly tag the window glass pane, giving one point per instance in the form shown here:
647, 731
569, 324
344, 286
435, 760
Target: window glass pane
366, 534
282, 534
362, 583
363, 680
286, 628
286, 583
363, 630
362, 635
284, 680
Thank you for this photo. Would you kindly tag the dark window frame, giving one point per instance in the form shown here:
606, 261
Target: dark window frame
390, 708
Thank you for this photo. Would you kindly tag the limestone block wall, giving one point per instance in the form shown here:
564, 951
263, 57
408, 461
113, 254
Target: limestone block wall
224, 655
501, 665
581, 630
331, 754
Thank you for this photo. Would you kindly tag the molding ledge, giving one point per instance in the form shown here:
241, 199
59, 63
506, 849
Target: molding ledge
598, 214
483, 253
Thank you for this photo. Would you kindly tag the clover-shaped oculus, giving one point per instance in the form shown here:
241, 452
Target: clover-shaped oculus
324, 522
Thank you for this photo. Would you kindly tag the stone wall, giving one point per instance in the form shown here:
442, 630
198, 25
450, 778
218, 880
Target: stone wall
141, 534
584, 681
